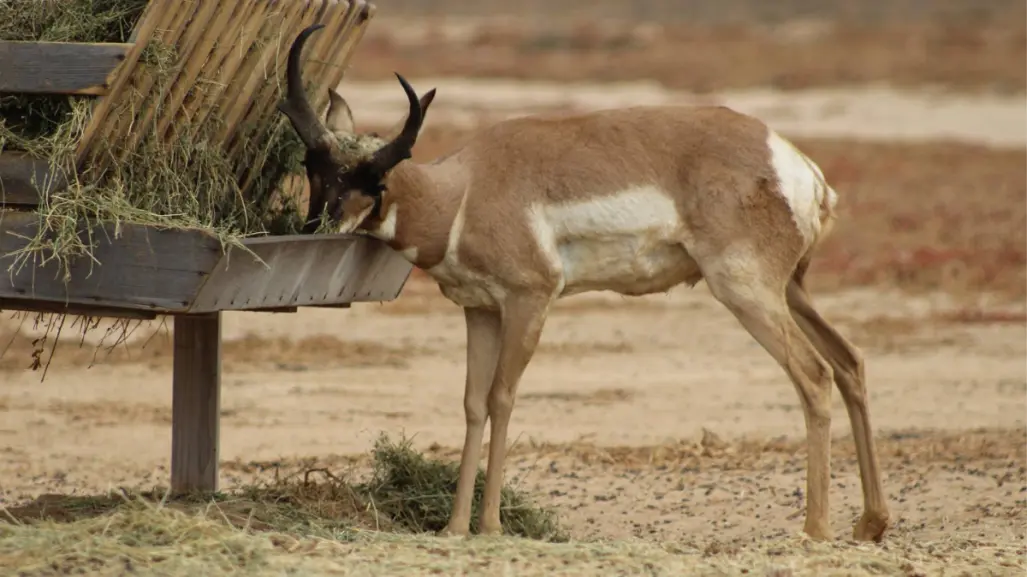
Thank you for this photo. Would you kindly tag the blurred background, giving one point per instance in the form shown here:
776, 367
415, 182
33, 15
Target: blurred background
915, 108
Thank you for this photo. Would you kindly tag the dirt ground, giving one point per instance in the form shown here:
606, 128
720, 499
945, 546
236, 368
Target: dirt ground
656, 417
652, 418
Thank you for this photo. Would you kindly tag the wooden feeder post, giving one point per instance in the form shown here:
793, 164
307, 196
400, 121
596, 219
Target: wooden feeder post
196, 403
142, 272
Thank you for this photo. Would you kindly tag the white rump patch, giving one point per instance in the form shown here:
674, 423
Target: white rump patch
801, 183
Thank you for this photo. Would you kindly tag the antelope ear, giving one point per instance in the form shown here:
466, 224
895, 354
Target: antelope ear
340, 117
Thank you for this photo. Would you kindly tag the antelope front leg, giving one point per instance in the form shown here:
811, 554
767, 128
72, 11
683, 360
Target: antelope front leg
482, 352
522, 321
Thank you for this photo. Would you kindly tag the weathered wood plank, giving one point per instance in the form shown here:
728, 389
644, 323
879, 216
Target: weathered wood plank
303, 270
196, 403
197, 102
152, 16
251, 78
143, 268
195, 52
137, 105
23, 177
58, 67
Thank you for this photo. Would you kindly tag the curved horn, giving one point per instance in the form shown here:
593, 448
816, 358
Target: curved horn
400, 148
296, 106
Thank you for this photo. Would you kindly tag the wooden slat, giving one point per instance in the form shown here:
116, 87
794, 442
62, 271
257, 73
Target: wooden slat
337, 16
239, 48
139, 91
255, 75
148, 21
345, 45
303, 270
196, 404
159, 270
197, 103
182, 37
58, 67
196, 53
22, 178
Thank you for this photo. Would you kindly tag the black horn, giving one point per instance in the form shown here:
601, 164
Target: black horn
400, 148
296, 106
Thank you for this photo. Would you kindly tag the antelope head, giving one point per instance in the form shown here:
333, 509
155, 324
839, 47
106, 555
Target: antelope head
346, 171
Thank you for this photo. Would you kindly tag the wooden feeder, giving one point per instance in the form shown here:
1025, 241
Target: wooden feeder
141, 271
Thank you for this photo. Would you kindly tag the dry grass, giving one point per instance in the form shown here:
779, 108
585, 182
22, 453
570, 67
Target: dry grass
149, 533
34, 116
147, 539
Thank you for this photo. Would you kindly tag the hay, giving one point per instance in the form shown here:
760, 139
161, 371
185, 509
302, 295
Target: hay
316, 523
188, 181
406, 493
143, 538
32, 116
417, 493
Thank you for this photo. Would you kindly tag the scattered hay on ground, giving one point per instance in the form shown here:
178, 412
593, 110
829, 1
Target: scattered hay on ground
405, 492
153, 539
315, 522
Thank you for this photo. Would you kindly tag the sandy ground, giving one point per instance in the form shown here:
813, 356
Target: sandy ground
643, 373
657, 417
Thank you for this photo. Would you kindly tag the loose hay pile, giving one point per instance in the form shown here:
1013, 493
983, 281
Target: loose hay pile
180, 174
406, 493
418, 492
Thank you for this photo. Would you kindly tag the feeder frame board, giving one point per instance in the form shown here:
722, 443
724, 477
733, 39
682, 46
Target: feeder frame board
142, 271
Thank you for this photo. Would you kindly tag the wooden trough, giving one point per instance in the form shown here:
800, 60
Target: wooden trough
140, 271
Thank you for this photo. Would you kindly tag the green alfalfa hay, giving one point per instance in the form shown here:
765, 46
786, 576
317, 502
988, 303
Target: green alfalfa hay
35, 116
417, 492
407, 492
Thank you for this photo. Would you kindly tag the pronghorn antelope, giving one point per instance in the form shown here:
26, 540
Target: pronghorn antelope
635, 201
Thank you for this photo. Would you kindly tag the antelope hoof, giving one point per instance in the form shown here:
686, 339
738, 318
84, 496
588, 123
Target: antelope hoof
490, 529
871, 527
818, 532
451, 532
